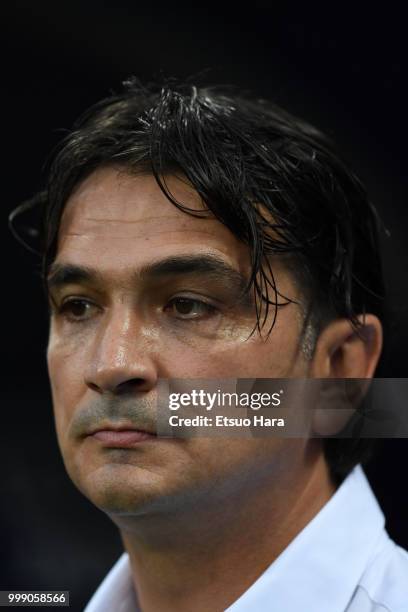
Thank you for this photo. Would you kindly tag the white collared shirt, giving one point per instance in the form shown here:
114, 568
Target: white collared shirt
342, 561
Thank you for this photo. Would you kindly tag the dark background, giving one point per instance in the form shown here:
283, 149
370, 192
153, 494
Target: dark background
342, 68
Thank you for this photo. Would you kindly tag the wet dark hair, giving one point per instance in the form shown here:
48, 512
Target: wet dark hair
250, 161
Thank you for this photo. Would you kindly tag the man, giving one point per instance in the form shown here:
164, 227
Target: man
194, 234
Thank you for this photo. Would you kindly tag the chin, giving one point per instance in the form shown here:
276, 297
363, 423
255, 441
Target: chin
119, 489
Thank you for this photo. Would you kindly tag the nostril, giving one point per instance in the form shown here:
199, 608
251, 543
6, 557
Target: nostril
129, 385
94, 387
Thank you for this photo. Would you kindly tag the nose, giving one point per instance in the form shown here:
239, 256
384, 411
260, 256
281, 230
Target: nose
120, 361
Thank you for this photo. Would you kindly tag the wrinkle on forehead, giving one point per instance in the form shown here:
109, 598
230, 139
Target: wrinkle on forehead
91, 233
120, 220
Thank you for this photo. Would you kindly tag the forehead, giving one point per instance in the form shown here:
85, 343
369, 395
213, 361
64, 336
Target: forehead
115, 214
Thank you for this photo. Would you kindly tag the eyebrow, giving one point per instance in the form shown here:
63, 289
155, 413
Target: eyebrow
61, 274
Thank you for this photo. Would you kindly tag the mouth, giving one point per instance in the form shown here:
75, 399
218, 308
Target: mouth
120, 436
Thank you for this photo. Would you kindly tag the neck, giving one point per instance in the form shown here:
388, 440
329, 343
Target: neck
206, 558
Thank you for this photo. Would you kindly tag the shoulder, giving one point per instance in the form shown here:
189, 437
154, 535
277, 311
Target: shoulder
384, 585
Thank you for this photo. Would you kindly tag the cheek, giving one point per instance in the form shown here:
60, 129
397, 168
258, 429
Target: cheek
273, 357
65, 369
243, 360
246, 462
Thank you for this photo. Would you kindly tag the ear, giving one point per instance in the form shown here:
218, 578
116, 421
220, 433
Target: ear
342, 352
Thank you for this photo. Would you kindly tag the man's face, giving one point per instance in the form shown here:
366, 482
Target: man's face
143, 291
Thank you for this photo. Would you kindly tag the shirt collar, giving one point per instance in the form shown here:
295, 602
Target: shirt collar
116, 592
318, 571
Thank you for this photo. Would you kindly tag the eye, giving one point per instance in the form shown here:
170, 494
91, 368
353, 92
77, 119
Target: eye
189, 308
77, 309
